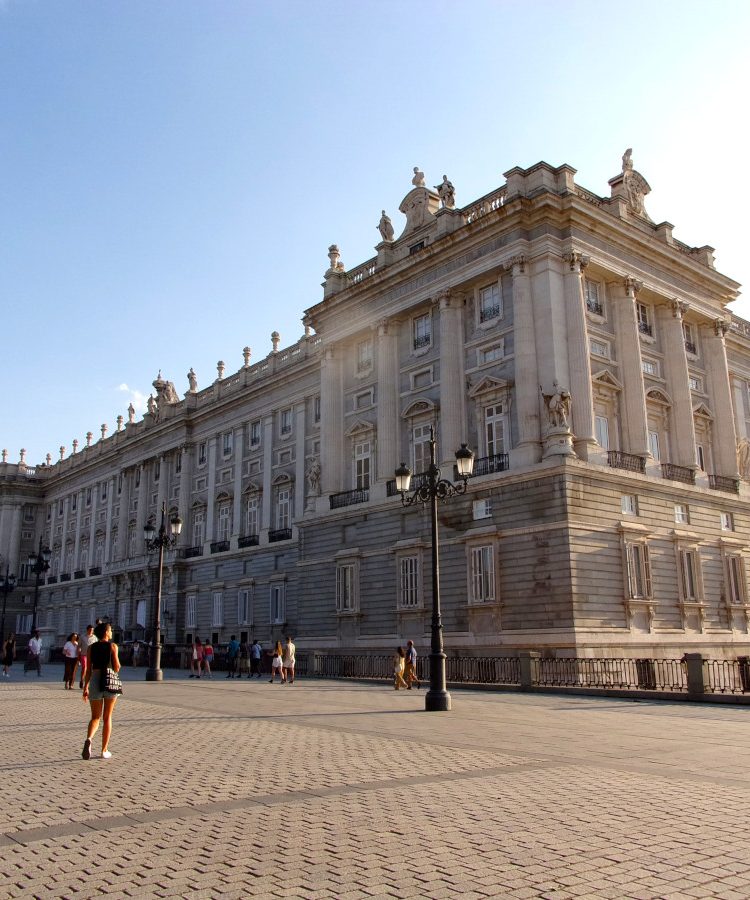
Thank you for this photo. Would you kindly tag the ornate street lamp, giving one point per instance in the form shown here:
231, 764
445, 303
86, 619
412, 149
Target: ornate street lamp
38, 564
430, 490
6, 586
161, 541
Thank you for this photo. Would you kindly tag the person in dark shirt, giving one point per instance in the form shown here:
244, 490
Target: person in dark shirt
102, 655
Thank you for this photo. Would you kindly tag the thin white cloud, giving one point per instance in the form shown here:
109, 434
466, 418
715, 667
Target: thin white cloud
136, 397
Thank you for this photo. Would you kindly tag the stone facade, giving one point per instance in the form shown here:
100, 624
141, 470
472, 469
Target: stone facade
586, 355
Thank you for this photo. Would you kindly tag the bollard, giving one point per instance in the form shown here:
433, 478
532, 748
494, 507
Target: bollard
527, 661
694, 664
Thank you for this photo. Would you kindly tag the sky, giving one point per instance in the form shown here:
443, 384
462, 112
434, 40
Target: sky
172, 172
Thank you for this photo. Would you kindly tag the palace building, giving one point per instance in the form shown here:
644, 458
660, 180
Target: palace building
586, 356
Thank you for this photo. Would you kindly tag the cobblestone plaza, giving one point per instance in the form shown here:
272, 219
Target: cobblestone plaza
331, 789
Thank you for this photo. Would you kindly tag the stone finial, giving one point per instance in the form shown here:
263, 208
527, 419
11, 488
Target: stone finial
89, 438
418, 179
62, 452
104, 430
48, 458
334, 258
220, 367
627, 160
192, 381
5, 456
308, 331
120, 420
630, 186
22, 455
75, 445
275, 338
246, 356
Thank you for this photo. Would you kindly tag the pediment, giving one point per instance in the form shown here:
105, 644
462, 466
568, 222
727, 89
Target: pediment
702, 410
488, 384
605, 378
419, 407
281, 478
252, 488
658, 396
361, 426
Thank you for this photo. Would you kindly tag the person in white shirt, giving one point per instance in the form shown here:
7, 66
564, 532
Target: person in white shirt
35, 655
70, 653
83, 650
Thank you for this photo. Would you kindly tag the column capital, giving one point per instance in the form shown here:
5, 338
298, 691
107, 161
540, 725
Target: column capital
385, 327
721, 327
679, 308
576, 261
632, 286
516, 264
449, 298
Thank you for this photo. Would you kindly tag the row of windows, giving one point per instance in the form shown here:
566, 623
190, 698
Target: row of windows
243, 609
629, 506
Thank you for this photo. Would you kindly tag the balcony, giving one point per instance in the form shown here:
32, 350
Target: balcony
79, 573
95, 570
645, 328
629, 461
593, 306
691, 348
416, 482
219, 546
677, 473
489, 312
65, 576
280, 534
52, 579
249, 540
487, 465
349, 498
724, 483
422, 340
192, 552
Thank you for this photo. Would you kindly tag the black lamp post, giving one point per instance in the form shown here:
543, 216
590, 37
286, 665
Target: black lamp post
6, 586
430, 490
39, 564
161, 541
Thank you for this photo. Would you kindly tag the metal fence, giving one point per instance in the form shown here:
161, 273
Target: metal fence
726, 676
625, 674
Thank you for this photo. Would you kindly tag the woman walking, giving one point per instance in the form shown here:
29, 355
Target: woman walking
399, 662
102, 655
208, 658
9, 654
276, 664
197, 660
70, 653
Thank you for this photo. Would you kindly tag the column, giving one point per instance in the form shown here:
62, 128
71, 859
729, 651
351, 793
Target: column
140, 519
5, 515
678, 383
332, 422
633, 405
717, 372
211, 495
14, 543
81, 495
111, 488
186, 483
452, 377
579, 366
739, 392
388, 416
267, 500
123, 520
239, 450
161, 491
64, 537
526, 375
92, 525
299, 463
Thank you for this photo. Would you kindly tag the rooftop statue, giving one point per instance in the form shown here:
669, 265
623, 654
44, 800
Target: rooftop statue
418, 179
385, 226
447, 193
192, 381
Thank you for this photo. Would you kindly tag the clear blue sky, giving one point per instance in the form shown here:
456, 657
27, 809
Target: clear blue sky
172, 173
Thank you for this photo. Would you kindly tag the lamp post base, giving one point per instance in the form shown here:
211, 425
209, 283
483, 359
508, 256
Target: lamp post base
154, 675
437, 701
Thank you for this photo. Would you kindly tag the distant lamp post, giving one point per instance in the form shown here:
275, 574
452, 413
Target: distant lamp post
430, 490
162, 540
38, 564
6, 586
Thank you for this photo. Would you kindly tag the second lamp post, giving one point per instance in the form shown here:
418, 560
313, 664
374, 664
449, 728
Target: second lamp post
161, 541
430, 489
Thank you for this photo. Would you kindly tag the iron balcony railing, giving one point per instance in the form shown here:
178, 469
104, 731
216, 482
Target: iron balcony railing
280, 534
678, 473
65, 576
95, 570
594, 307
619, 460
79, 573
191, 552
219, 546
52, 579
489, 312
249, 540
416, 482
422, 340
487, 465
724, 483
349, 498
690, 347
645, 328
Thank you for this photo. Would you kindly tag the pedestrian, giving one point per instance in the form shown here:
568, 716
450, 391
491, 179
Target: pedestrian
70, 654
410, 675
9, 654
103, 655
276, 663
244, 660
197, 660
83, 651
35, 655
256, 651
136, 654
208, 658
399, 663
233, 651
288, 660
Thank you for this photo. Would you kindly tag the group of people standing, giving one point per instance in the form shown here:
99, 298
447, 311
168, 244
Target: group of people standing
405, 667
75, 653
245, 659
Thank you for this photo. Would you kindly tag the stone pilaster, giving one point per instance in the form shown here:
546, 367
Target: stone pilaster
141, 516
634, 425
239, 450
299, 461
186, 492
92, 524
579, 366
388, 421
211, 492
332, 422
740, 422
678, 383
267, 501
161, 491
64, 537
14, 541
80, 505
526, 376
111, 488
452, 377
124, 517
717, 372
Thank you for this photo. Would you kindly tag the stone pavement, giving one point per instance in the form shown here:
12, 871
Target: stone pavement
338, 790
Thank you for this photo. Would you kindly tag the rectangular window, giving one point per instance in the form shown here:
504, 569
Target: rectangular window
177, 463
316, 409
103, 493
591, 292
138, 477
283, 508
421, 448
285, 421
490, 303
689, 335
345, 596
255, 433
408, 572
494, 429
199, 527
481, 509
735, 580
252, 515
74, 503
422, 331
88, 496
217, 608
157, 470
227, 442
601, 426
700, 457
629, 505
599, 348
190, 620
482, 574
650, 367
727, 521
681, 514
60, 507
364, 355
493, 353
132, 539
225, 522
689, 574
695, 383
363, 400
639, 570
277, 604
644, 319
75, 624
362, 465
653, 445
244, 610
202, 453
421, 379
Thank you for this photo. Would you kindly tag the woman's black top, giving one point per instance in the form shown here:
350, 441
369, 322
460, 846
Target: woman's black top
101, 654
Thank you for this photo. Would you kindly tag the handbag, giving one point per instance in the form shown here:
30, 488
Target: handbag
111, 681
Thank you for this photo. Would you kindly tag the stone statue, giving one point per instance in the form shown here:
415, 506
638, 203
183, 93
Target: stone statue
418, 179
743, 459
192, 381
313, 476
385, 227
131, 414
558, 406
151, 406
447, 193
627, 160
170, 393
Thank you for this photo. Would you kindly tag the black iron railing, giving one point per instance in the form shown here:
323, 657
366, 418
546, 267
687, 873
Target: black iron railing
191, 552
678, 473
65, 576
348, 498
724, 483
690, 347
95, 570
219, 546
489, 312
79, 573
645, 328
594, 307
619, 460
52, 579
424, 340
280, 534
249, 540
416, 482
487, 465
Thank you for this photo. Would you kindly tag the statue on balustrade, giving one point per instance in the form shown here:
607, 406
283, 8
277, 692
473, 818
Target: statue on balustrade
385, 227
447, 193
